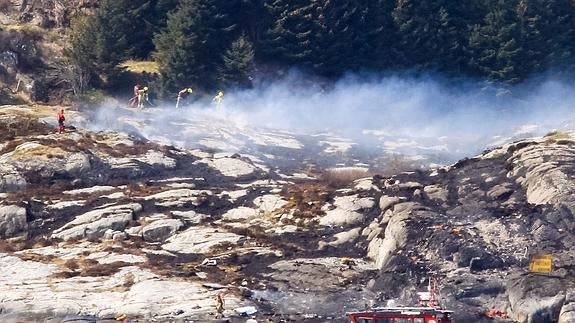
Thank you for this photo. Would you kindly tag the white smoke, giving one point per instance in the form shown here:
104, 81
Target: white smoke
403, 113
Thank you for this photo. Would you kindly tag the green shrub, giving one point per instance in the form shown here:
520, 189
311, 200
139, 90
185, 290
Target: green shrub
93, 97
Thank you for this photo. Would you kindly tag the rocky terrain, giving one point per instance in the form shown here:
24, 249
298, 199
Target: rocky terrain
153, 213
103, 223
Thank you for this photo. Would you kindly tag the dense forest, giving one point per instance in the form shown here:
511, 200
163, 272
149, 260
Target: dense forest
221, 43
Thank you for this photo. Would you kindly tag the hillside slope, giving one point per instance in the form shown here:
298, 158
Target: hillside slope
106, 223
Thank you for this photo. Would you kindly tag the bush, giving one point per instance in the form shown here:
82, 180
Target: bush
71, 264
93, 97
102, 270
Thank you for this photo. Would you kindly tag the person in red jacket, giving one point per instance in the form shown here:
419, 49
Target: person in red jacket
61, 120
136, 89
134, 100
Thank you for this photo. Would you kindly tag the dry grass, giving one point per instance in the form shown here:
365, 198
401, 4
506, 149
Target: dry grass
14, 246
48, 152
304, 202
33, 31
20, 125
6, 247
72, 264
343, 177
556, 136
140, 66
80, 266
93, 268
31, 256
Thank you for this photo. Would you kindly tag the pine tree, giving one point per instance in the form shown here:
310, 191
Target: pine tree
530, 25
376, 36
497, 46
110, 44
99, 42
81, 49
81, 54
253, 19
413, 19
147, 17
238, 63
451, 54
548, 27
189, 50
176, 48
216, 31
329, 40
430, 36
354, 36
291, 36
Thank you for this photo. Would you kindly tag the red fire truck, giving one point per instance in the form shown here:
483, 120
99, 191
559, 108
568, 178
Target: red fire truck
402, 315
428, 311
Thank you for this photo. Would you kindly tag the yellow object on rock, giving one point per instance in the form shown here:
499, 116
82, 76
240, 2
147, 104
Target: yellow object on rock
121, 317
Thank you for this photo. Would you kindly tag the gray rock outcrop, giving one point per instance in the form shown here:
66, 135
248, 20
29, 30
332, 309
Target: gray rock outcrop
12, 220
95, 223
160, 230
568, 309
486, 216
10, 179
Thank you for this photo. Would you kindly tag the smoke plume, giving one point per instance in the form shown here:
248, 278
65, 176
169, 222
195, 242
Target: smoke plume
404, 114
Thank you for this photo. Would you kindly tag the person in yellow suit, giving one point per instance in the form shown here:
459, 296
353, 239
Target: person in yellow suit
219, 305
218, 98
142, 96
182, 95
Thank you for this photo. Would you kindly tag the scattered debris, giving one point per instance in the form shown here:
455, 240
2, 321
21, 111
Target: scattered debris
209, 262
493, 313
213, 286
348, 262
246, 310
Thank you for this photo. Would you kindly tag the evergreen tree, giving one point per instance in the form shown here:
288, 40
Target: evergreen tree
189, 50
376, 36
530, 24
238, 63
148, 17
81, 53
99, 42
291, 36
548, 27
430, 36
497, 47
333, 37
81, 49
451, 52
349, 35
217, 30
176, 48
206, 42
253, 19
110, 44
